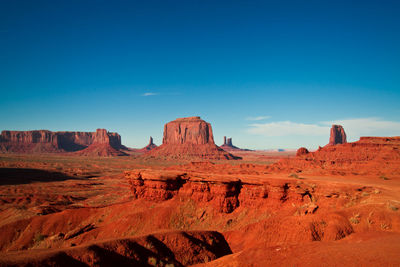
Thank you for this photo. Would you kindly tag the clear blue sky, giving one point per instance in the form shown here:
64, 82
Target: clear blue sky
270, 74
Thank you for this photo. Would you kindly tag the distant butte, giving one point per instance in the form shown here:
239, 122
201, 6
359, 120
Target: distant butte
338, 136
44, 141
149, 147
228, 146
189, 138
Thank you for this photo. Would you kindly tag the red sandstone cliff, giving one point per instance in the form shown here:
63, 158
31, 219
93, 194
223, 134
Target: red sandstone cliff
104, 144
44, 141
188, 138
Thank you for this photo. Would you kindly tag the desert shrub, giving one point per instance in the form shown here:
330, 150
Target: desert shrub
392, 207
383, 177
38, 238
355, 219
152, 261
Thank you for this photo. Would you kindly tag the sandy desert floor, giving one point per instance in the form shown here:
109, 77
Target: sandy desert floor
62, 210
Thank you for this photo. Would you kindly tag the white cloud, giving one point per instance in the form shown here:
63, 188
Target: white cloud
258, 118
149, 94
354, 128
373, 126
285, 128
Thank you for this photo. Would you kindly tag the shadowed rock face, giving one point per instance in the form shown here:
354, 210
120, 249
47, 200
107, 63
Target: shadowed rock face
189, 138
48, 141
338, 136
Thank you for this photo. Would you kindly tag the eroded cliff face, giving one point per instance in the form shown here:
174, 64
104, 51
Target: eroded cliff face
225, 194
48, 141
188, 138
191, 130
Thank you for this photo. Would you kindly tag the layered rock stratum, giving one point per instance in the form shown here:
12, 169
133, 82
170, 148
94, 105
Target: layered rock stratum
187, 138
44, 141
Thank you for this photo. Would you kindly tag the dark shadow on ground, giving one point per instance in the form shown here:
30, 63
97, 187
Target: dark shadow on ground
14, 176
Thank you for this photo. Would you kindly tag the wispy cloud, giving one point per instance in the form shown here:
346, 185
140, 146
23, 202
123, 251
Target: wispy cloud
285, 128
150, 94
353, 127
258, 118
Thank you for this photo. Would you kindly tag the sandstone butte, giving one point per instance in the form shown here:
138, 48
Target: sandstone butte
149, 147
338, 136
189, 138
259, 215
101, 142
228, 145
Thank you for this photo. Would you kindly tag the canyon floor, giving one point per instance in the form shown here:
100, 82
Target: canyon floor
64, 210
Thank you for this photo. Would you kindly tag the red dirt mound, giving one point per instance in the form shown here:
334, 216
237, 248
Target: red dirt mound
188, 138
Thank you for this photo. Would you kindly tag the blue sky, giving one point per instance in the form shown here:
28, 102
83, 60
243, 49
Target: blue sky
269, 74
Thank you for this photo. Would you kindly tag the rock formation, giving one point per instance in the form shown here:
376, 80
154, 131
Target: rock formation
368, 156
188, 138
338, 136
104, 144
228, 146
44, 141
149, 147
302, 151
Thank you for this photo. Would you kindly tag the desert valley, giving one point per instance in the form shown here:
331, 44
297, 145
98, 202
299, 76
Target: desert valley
199, 133
85, 199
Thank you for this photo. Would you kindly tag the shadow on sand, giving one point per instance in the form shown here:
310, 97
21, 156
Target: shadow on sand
14, 176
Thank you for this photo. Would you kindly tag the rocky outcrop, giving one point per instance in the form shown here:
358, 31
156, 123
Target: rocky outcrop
149, 147
368, 156
228, 146
338, 136
302, 151
104, 144
44, 141
226, 193
188, 138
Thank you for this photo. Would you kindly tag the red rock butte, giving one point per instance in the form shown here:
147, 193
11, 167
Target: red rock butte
149, 147
188, 138
338, 136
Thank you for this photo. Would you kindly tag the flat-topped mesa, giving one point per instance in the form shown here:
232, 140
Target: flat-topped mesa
338, 136
191, 130
44, 141
188, 138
